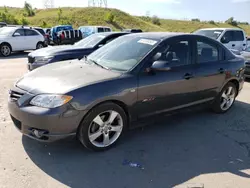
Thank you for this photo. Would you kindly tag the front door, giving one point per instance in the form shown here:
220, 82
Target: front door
31, 39
211, 69
18, 41
160, 91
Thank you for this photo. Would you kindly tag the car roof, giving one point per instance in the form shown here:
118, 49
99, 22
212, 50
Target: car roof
218, 28
159, 35
112, 33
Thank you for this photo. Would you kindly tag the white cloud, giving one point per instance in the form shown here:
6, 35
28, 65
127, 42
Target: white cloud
166, 1
240, 1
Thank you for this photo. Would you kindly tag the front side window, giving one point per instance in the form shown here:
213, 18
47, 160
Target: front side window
175, 54
124, 53
19, 32
100, 29
228, 36
207, 52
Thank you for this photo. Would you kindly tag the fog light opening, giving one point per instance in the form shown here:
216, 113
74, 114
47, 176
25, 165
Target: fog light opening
40, 134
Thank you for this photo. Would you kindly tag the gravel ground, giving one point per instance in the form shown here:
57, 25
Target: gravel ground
192, 149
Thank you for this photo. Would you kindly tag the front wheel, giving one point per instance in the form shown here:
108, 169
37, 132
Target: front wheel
225, 99
102, 127
5, 50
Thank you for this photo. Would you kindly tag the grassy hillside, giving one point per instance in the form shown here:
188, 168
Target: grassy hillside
97, 16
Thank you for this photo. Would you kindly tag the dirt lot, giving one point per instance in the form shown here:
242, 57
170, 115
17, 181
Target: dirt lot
193, 149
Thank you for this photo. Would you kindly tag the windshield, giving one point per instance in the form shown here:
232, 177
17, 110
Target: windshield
209, 33
6, 30
90, 41
123, 53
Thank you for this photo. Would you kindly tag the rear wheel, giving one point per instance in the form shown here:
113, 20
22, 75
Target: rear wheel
39, 45
5, 50
225, 99
102, 127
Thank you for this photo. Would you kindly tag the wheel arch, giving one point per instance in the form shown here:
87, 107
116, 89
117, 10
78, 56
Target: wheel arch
7, 44
235, 82
115, 101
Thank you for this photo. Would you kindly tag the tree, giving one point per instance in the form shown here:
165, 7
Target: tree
156, 20
211, 22
195, 20
231, 21
59, 14
109, 17
23, 21
28, 9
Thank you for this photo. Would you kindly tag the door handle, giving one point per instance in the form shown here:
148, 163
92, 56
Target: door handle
233, 45
244, 44
221, 70
187, 76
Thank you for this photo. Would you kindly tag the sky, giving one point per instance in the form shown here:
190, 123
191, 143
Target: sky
218, 10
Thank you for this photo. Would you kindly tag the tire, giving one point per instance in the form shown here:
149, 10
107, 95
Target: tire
92, 134
5, 49
225, 97
39, 45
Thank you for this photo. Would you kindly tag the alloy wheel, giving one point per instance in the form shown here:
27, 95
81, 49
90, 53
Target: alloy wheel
227, 98
105, 129
39, 46
5, 50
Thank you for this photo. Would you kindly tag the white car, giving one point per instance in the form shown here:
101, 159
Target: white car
232, 38
19, 39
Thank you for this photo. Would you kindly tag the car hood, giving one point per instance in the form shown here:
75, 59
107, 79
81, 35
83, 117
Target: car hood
63, 77
52, 50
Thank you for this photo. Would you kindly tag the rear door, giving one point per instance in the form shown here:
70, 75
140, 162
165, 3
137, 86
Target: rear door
211, 68
32, 38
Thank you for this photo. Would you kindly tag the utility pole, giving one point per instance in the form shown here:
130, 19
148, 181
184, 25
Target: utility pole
48, 4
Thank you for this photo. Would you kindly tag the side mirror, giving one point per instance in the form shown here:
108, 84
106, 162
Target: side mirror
160, 66
224, 40
16, 35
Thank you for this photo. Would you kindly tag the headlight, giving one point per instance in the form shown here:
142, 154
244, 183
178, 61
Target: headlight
45, 59
50, 100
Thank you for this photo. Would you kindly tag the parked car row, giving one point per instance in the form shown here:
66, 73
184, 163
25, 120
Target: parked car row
128, 77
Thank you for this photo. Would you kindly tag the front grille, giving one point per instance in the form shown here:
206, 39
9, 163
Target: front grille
31, 59
14, 95
16, 122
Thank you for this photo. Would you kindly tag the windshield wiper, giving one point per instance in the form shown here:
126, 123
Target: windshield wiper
93, 61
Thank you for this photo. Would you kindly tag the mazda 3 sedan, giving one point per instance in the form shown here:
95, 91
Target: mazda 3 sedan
133, 77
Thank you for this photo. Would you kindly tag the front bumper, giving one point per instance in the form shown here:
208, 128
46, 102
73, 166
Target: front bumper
51, 124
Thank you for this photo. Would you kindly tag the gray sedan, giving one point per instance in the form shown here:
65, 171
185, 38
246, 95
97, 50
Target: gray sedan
131, 78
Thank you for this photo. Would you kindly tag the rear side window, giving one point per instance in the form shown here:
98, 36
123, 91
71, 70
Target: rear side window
107, 29
238, 36
100, 30
207, 52
234, 36
41, 31
29, 32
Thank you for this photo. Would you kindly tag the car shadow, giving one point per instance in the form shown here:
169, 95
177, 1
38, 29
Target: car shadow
16, 55
172, 151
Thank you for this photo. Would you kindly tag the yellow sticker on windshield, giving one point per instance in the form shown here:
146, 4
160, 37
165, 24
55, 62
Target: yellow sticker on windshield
147, 41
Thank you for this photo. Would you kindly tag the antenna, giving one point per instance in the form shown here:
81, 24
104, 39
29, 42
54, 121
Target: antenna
48, 4
99, 3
